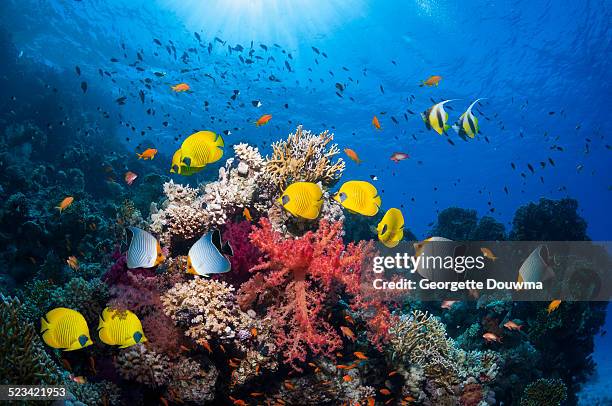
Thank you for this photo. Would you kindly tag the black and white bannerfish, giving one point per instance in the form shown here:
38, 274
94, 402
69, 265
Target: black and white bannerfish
209, 256
468, 123
436, 117
144, 250
536, 268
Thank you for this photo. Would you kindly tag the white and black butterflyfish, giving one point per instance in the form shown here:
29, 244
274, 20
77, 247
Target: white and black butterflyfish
436, 117
144, 250
209, 255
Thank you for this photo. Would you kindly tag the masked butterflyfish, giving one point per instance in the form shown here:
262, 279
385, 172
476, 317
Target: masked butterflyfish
120, 327
536, 268
65, 329
359, 196
302, 199
435, 117
180, 167
467, 123
201, 148
144, 250
436, 253
391, 228
209, 256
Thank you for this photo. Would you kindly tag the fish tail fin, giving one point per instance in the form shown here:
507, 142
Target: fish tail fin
446, 127
59, 208
139, 155
422, 84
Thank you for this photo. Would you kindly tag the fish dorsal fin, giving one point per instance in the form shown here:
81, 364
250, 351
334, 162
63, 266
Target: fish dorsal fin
469, 109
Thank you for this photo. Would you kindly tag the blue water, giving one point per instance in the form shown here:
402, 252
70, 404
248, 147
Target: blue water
543, 67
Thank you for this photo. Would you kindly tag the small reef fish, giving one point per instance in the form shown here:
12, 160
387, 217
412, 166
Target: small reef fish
348, 333
431, 81
488, 253
347, 378
359, 197
536, 267
391, 228
353, 155
78, 379
65, 203
552, 306
201, 148
263, 120
467, 123
144, 250
73, 263
385, 391
65, 329
490, 337
376, 123
360, 355
181, 87
302, 199
209, 255
247, 214
399, 156
180, 168
148, 153
435, 117
130, 177
120, 327
448, 304
511, 325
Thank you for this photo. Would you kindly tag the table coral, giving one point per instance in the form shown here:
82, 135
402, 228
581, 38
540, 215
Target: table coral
304, 156
298, 282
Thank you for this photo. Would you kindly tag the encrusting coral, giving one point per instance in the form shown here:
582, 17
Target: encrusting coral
304, 156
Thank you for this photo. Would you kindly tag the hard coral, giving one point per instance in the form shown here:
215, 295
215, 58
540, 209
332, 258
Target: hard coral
304, 156
550, 392
299, 282
141, 364
549, 220
206, 309
23, 359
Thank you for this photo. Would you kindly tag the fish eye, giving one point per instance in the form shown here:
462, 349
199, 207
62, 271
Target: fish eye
285, 199
187, 161
83, 340
137, 336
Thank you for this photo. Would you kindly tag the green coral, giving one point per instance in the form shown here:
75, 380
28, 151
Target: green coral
23, 360
544, 392
98, 393
87, 297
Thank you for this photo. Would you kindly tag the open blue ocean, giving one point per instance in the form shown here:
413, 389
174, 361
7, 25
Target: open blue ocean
476, 120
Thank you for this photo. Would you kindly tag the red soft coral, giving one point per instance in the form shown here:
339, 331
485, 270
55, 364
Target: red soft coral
245, 254
300, 280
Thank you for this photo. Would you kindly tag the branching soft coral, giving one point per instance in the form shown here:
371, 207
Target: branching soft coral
300, 280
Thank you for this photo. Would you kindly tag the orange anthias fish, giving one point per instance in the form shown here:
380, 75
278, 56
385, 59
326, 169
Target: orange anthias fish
553, 306
73, 263
181, 87
376, 123
78, 379
238, 402
511, 325
347, 378
488, 253
447, 304
206, 345
64, 204
431, 81
348, 333
353, 155
360, 355
130, 177
247, 214
263, 120
148, 153
490, 337
163, 401
399, 156
385, 391
289, 385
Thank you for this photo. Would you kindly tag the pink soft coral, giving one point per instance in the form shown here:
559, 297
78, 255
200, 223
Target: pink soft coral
300, 280
245, 255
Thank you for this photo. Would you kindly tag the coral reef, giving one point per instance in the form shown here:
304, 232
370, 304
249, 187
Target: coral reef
544, 392
549, 220
303, 156
23, 359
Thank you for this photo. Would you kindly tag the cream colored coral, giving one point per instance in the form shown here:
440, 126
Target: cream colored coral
304, 156
191, 383
206, 309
